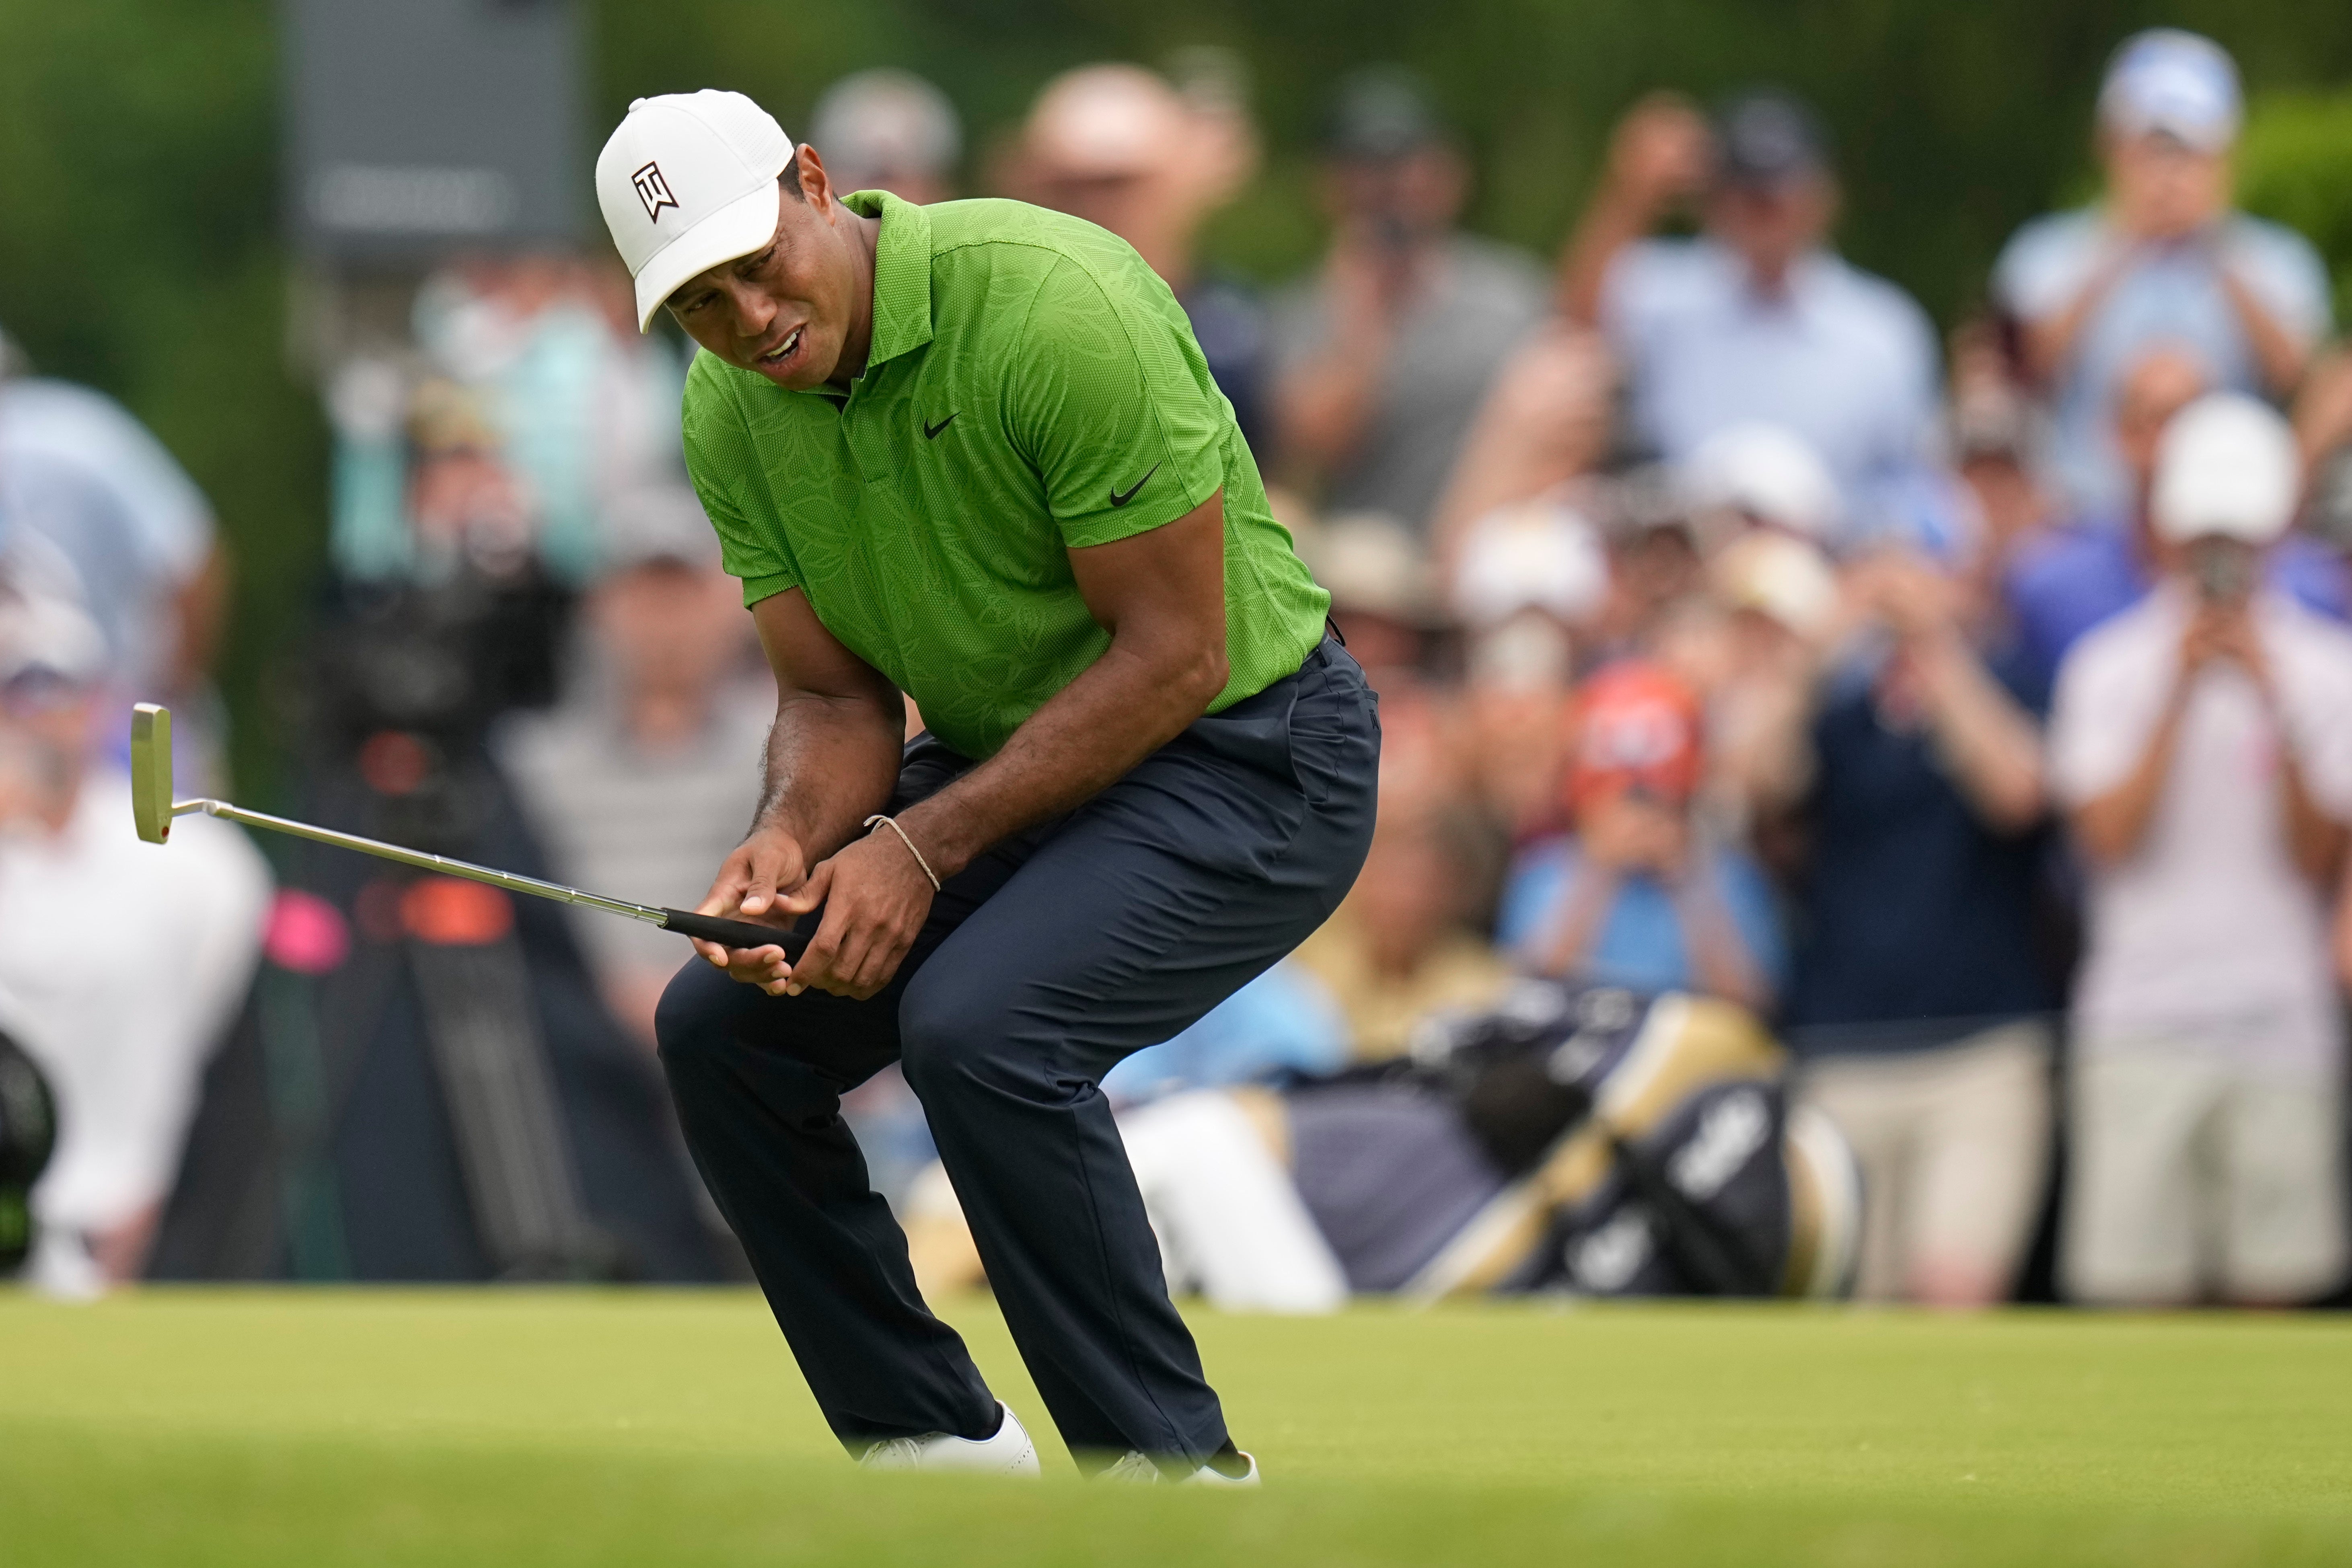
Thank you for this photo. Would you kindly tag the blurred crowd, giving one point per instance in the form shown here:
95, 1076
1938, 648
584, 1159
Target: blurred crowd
1976, 711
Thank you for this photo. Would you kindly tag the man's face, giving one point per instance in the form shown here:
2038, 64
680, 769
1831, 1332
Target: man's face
1412, 197
2162, 188
786, 311
669, 626
1770, 225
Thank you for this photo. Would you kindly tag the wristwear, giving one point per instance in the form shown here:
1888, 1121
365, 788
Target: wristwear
893, 823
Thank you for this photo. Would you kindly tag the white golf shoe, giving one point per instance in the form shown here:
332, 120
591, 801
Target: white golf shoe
1009, 1453
1137, 1468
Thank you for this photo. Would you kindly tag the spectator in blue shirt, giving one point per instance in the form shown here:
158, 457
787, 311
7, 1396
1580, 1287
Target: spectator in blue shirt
2069, 581
1637, 895
1756, 319
2162, 255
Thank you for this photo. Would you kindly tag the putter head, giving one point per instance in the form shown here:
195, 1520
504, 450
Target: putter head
150, 772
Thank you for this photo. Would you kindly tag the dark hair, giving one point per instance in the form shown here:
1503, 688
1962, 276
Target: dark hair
791, 178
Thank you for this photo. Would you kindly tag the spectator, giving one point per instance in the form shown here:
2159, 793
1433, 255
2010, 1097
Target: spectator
1756, 319
646, 775
888, 131
1917, 1004
2161, 257
1533, 581
1399, 946
2063, 584
120, 525
1997, 443
1634, 896
1119, 146
1385, 356
529, 404
124, 1045
2203, 745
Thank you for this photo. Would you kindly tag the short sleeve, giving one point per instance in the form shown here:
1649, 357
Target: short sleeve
1640, 286
1110, 400
2046, 265
2287, 276
2098, 724
2323, 719
719, 457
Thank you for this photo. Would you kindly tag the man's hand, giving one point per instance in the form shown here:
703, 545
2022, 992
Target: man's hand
751, 885
875, 900
1662, 151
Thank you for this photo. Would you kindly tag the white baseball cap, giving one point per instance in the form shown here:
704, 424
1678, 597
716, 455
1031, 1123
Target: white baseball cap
1767, 471
2179, 83
2226, 468
1532, 555
687, 182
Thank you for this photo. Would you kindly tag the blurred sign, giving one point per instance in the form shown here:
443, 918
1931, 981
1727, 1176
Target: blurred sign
417, 127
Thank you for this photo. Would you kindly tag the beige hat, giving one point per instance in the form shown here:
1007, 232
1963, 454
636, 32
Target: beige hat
687, 182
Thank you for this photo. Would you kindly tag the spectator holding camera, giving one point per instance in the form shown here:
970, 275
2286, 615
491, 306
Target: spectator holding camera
1383, 358
2201, 744
1757, 319
1639, 895
2162, 255
1919, 1006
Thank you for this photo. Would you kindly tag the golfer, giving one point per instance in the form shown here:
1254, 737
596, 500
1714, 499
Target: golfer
971, 453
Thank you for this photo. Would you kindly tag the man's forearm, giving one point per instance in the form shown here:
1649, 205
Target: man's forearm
831, 763
2110, 828
2314, 839
1125, 706
1611, 223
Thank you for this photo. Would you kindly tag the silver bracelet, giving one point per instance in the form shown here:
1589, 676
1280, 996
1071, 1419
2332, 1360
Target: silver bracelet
909, 843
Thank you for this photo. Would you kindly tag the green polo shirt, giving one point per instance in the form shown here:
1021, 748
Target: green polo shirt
1032, 388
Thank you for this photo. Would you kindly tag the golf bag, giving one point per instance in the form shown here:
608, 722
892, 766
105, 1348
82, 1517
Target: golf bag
1647, 1147
28, 1133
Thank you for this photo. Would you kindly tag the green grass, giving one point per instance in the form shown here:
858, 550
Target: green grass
585, 1428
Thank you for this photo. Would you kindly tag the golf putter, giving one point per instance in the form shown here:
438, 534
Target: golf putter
152, 809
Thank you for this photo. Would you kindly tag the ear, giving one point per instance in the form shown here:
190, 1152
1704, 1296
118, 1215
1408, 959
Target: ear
816, 184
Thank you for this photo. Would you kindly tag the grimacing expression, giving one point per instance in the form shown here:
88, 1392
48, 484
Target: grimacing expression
784, 311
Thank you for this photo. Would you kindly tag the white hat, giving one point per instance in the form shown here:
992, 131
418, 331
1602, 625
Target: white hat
1534, 555
42, 633
1767, 472
2182, 84
2226, 466
1784, 579
1371, 562
687, 182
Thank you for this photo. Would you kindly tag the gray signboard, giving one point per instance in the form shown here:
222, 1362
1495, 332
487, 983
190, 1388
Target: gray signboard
419, 127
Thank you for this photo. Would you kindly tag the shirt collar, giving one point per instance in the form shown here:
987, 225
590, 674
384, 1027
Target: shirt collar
902, 274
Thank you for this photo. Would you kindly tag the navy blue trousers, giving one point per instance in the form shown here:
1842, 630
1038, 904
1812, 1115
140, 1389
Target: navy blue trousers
1043, 963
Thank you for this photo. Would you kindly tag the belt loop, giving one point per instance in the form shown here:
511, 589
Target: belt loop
1332, 627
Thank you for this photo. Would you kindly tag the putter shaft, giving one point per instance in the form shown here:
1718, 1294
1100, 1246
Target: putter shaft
511, 881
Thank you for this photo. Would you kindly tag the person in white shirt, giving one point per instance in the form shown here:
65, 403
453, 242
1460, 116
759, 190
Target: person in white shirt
123, 1047
2201, 744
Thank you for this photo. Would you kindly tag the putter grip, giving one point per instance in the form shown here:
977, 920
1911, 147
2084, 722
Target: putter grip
733, 933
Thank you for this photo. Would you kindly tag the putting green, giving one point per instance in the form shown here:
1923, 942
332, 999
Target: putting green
517, 1427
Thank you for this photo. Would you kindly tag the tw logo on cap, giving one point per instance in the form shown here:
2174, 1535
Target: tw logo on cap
653, 190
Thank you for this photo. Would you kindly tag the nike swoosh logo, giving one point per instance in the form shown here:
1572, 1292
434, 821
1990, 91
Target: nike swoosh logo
1118, 499
931, 432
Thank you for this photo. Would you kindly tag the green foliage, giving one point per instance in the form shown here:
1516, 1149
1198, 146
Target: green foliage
2294, 166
